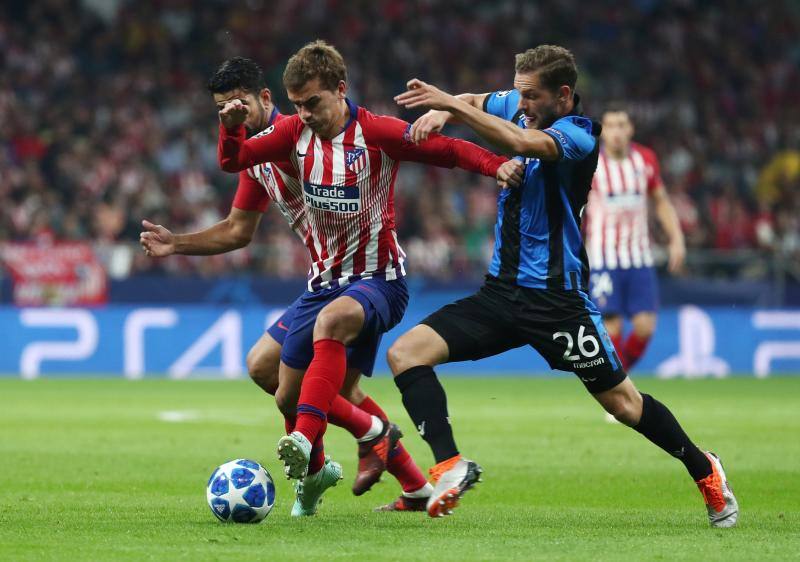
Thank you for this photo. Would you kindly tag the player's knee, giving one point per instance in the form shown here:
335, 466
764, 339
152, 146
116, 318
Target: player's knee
402, 355
263, 370
625, 408
340, 323
645, 330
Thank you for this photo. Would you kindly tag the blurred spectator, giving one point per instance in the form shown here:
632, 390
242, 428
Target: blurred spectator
105, 120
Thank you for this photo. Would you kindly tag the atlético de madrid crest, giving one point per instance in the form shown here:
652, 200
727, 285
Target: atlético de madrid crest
356, 159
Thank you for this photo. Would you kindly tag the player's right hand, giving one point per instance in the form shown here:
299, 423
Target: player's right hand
156, 240
432, 122
510, 174
234, 113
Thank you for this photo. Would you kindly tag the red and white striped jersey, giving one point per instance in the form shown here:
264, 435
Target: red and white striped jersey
277, 182
348, 186
616, 226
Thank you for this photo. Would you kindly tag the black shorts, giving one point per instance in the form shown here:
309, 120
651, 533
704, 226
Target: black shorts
563, 326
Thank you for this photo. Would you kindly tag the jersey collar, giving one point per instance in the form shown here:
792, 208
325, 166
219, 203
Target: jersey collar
353, 114
273, 116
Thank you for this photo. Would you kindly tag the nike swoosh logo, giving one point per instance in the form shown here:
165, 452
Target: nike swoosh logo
299, 155
282, 326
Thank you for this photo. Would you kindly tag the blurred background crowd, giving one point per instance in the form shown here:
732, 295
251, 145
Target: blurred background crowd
105, 118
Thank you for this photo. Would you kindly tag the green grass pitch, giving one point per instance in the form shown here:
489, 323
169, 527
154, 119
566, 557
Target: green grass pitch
91, 472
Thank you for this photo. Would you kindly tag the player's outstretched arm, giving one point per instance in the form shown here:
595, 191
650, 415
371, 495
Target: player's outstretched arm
435, 120
232, 233
236, 153
393, 137
668, 219
505, 135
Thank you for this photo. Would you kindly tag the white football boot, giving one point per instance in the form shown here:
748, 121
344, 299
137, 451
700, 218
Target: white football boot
295, 452
723, 510
453, 478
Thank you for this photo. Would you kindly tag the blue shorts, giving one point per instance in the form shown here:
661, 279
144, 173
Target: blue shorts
624, 292
384, 304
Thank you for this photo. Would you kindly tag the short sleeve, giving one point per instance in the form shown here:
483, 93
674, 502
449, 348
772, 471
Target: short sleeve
573, 137
250, 195
503, 104
652, 169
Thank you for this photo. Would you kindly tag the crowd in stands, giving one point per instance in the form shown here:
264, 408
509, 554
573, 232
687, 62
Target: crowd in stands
105, 118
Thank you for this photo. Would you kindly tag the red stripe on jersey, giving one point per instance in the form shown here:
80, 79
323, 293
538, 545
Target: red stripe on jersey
375, 171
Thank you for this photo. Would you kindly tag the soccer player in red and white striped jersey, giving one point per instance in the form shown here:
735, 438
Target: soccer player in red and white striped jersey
276, 182
623, 280
347, 160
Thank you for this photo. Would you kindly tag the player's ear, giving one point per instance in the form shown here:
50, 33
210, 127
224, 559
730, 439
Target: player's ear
564, 94
265, 95
341, 89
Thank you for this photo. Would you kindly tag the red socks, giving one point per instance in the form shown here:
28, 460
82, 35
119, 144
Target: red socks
617, 341
634, 348
631, 350
352, 418
321, 384
400, 464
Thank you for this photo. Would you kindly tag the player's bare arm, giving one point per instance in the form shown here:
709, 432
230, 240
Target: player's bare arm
234, 232
505, 135
435, 120
668, 219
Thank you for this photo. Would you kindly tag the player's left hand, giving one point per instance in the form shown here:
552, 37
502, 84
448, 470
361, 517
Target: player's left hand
510, 174
420, 94
156, 241
677, 256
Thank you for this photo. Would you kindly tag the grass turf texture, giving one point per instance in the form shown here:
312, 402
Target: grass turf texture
91, 472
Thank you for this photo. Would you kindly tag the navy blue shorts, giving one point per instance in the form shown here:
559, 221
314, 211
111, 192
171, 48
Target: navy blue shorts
624, 292
384, 304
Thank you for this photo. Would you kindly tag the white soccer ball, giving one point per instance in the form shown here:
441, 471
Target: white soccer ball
241, 491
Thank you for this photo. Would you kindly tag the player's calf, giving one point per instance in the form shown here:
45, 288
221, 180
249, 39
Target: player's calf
623, 402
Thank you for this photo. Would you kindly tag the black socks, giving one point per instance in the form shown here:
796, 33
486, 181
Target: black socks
660, 426
426, 403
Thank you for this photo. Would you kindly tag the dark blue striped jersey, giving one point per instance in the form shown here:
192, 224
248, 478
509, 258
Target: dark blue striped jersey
538, 241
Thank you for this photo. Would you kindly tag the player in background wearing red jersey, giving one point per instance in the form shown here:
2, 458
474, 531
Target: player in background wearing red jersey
347, 160
623, 282
242, 79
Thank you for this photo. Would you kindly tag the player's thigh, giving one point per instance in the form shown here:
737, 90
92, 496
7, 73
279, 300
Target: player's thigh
567, 330
644, 324
262, 362
472, 328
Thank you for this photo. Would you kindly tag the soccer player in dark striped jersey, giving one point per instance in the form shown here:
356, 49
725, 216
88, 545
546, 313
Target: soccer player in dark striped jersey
536, 290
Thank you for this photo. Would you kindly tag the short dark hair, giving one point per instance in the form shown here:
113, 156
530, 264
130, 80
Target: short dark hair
237, 73
317, 59
616, 106
555, 65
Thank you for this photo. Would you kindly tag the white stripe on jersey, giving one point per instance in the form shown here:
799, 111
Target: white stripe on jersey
617, 236
339, 209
